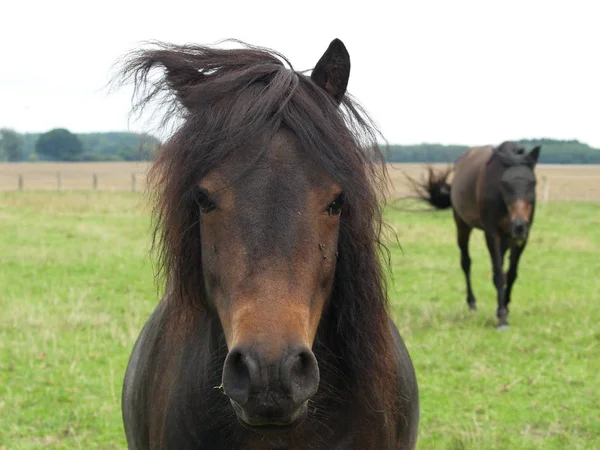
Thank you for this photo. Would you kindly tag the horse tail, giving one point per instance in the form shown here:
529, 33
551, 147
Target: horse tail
435, 189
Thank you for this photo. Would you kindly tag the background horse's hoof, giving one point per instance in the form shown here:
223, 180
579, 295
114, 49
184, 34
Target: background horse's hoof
503, 327
472, 307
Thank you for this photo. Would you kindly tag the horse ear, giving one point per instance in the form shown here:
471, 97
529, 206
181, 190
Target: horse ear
333, 70
534, 155
180, 80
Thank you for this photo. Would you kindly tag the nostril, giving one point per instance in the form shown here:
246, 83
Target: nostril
238, 372
519, 227
300, 375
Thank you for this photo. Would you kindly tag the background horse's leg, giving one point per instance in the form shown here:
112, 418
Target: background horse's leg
511, 275
497, 247
463, 232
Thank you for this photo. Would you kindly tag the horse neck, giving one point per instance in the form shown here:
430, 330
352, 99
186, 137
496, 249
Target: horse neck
492, 204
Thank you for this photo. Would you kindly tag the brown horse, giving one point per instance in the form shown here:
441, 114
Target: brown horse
273, 331
493, 189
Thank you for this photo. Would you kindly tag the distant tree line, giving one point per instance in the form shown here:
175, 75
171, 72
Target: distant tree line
62, 145
553, 152
12, 145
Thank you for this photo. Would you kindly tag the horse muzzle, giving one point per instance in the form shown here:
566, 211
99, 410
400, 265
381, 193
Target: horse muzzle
519, 230
270, 395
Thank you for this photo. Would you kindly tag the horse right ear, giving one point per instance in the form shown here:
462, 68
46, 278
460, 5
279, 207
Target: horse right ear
333, 70
534, 155
180, 79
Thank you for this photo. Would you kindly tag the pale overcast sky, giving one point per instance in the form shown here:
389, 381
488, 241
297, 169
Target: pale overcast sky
471, 72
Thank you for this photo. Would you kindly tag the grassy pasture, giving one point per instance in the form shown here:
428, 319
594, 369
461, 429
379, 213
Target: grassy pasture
76, 286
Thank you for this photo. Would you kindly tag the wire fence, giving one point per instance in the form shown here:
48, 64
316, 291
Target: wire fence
125, 176
555, 183
61, 181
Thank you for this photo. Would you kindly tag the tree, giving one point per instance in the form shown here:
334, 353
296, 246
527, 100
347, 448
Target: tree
12, 145
59, 145
129, 154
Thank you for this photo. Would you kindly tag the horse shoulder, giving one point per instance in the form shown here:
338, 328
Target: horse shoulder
137, 384
408, 391
490, 202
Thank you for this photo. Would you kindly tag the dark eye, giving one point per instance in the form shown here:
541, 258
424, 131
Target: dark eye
204, 202
335, 207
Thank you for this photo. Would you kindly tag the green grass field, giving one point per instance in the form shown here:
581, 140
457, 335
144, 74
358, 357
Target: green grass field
76, 286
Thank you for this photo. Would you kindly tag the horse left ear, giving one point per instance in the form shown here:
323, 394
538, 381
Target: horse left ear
534, 155
180, 79
333, 70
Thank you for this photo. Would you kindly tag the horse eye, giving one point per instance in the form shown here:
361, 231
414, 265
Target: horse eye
204, 202
335, 207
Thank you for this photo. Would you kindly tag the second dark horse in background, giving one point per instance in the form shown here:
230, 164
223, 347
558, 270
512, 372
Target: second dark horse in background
493, 189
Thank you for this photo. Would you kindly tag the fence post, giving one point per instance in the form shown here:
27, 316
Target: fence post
546, 194
20, 181
133, 181
58, 181
95, 180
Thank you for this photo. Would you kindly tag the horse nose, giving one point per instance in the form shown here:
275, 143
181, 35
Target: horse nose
300, 374
519, 227
240, 372
247, 374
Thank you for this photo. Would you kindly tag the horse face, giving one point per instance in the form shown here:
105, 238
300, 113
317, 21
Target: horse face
269, 233
518, 191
